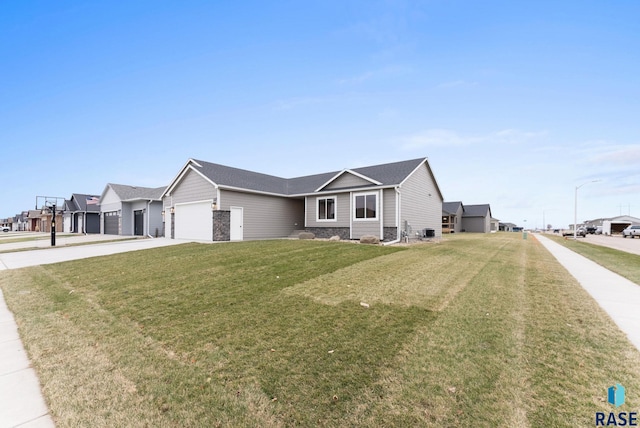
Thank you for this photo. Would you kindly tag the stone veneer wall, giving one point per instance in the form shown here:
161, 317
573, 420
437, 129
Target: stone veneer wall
222, 225
390, 233
328, 232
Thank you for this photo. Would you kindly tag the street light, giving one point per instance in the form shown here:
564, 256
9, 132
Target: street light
575, 209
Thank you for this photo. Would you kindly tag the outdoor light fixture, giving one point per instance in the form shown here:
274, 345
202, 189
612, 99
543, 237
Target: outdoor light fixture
575, 209
173, 210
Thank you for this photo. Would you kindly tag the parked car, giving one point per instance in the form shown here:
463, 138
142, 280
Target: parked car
580, 232
599, 230
631, 231
591, 229
5, 229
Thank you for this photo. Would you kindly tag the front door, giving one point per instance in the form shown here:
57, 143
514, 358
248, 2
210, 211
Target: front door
236, 233
138, 223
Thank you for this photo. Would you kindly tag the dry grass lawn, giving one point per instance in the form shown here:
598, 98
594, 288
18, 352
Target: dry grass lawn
479, 330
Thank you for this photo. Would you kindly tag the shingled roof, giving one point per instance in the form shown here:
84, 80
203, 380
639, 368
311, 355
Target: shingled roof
78, 203
452, 207
130, 193
476, 210
389, 174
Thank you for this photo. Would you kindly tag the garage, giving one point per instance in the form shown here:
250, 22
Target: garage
111, 223
194, 221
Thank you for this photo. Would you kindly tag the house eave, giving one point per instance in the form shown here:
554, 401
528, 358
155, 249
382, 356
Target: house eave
178, 178
349, 171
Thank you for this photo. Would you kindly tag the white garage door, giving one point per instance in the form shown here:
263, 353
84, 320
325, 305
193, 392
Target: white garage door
194, 221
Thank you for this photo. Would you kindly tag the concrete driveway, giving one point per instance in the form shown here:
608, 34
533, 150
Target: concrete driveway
62, 252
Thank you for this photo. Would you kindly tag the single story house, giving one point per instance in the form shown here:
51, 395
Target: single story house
131, 210
478, 219
212, 202
33, 220
506, 227
82, 214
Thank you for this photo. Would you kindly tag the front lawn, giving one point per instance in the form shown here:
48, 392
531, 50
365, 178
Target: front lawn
480, 330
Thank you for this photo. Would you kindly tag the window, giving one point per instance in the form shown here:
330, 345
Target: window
366, 206
326, 209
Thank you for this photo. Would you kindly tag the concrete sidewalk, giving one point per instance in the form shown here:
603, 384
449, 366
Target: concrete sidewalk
618, 296
21, 401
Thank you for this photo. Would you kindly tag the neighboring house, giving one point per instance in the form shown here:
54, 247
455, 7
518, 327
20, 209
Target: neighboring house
131, 210
45, 220
82, 214
506, 227
33, 220
212, 202
452, 217
477, 218
495, 225
20, 221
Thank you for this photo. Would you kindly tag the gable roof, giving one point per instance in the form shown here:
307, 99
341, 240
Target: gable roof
476, 210
452, 207
133, 193
78, 202
383, 175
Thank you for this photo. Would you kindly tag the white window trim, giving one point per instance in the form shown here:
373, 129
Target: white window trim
377, 217
335, 207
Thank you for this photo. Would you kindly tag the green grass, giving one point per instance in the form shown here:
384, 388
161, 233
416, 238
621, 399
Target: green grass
476, 331
621, 262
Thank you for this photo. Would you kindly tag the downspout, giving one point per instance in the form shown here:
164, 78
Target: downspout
398, 237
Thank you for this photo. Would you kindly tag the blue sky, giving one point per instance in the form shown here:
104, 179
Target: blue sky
514, 103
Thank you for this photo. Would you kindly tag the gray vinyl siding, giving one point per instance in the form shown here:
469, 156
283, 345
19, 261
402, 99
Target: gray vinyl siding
265, 216
360, 228
126, 221
477, 224
347, 180
389, 208
108, 203
343, 211
193, 187
419, 209
155, 219
457, 226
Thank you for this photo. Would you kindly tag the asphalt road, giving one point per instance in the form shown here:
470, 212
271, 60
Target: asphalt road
630, 245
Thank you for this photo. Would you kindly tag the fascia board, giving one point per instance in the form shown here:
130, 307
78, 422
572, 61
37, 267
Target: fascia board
349, 171
178, 178
345, 190
258, 192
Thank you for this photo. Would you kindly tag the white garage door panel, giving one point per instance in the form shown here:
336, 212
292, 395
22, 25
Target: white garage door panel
194, 221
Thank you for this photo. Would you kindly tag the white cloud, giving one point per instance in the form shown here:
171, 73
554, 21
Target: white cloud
616, 154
